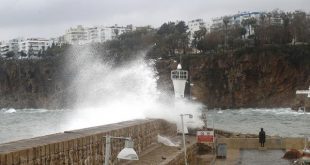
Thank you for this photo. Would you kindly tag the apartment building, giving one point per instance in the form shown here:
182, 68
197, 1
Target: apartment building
9, 46
76, 35
84, 35
4, 49
237, 19
32, 46
195, 25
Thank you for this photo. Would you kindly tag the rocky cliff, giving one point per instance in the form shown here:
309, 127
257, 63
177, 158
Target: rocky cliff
265, 77
32, 84
253, 77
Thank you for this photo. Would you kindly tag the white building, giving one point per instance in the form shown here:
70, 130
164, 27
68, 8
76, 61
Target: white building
195, 25
14, 45
77, 35
218, 24
32, 46
276, 20
84, 35
9, 46
4, 49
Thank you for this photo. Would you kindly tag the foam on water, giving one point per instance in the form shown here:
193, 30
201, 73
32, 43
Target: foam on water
10, 110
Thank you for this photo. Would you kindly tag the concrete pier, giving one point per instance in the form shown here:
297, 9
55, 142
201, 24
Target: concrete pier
84, 146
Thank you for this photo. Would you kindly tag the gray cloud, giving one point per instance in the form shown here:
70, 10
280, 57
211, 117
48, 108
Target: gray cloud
49, 18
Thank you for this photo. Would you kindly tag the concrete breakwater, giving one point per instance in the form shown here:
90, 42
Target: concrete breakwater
84, 146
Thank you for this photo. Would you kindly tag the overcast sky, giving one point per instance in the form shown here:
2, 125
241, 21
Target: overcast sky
50, 18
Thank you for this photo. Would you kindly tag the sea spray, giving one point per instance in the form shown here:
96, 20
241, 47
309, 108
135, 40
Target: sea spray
106, 93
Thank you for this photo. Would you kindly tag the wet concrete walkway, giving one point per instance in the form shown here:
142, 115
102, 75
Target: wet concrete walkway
253, 157
161, 154
259, 157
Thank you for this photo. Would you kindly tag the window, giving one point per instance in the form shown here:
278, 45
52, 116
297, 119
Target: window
179, 74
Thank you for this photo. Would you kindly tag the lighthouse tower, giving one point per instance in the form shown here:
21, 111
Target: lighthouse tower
179, 78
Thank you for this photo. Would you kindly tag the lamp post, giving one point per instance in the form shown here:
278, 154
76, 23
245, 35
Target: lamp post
183, 135
190, 90
127, 153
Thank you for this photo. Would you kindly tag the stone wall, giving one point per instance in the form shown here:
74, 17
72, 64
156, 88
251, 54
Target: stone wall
85, 146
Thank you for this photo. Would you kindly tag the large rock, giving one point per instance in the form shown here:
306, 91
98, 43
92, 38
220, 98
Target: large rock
292, 154
33, 84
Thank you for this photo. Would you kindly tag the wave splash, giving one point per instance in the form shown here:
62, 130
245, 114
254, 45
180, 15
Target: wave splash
107, 94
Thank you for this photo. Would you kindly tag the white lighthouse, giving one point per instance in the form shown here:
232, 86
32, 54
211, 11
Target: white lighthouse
179, 78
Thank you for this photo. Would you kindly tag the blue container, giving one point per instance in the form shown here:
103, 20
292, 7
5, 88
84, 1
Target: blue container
221, 151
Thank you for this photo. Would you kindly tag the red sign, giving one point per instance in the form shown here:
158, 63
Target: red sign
205, 136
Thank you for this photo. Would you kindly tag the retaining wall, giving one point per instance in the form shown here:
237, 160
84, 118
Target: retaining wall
84, 146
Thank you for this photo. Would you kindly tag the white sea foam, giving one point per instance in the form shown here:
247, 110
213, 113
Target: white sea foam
10, 110
166, 141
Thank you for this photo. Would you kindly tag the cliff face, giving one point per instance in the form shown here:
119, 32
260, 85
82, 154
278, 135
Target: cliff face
260, 79
32, 84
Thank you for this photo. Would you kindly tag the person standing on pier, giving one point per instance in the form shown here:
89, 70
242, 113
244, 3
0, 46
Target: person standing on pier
262, 137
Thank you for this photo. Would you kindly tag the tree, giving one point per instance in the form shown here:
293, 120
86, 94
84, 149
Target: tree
299, 26
182, 35
225, 22
261, 30
286, 28
198, 37
23, 54
249, 23
10, 54
116, 32
172, 37
243, 32
30, 51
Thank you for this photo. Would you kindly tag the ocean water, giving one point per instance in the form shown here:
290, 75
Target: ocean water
281, 121
16, 124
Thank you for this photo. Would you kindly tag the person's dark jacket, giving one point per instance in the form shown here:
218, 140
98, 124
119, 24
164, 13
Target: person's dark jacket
262, 136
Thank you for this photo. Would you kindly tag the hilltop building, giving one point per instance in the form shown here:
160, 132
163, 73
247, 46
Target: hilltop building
32, 46
4, 49
237, 19
83, 35
77, 35
218, 23
9, 46
195, 25
74, 35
